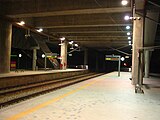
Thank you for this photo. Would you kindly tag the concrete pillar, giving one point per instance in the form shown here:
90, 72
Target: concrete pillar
64, 55
34, 59
137, 69
85, 57
5, 46
147, 63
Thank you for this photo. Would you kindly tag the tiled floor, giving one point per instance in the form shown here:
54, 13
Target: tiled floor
107, 97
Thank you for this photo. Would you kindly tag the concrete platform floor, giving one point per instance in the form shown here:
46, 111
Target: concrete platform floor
107, 97
29, 72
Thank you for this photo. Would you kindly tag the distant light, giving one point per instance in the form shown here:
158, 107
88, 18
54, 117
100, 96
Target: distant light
20, 55
124, 2
40, 30
129, 38
128, 27
70, 55
60, 44
71, 42
126, 56
21, 23
125, 64
43, 55
71, 48
76, 45
126, 17
129, 42
62, 38
122, 58
128, 33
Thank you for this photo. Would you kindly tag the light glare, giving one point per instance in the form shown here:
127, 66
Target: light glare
128, 27
124, 2
126, 17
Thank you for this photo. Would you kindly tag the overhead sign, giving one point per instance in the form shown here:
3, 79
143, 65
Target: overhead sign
112, 57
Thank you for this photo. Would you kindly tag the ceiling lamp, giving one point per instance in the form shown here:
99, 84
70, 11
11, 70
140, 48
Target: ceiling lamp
128, 33
21, 23
62, 38
71, 42
128, 27
126, 17
129, 38
40, 30
124, 2
76, 45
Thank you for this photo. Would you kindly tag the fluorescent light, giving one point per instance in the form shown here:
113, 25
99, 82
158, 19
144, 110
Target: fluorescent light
62, 38
76, 45
21, 23
129, 38
71, 42
20, 55
43, 55
124, 2
122, 58
128, 27
40, 30
126, 17
128, 33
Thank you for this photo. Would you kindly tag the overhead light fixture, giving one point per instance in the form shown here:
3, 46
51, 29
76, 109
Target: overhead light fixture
76, 45
62, 38
40, 30
122, 58
128, 27
126, 17
124, 2
43, 55
71, 42
128, 33
21, 23
129, 38
20, 55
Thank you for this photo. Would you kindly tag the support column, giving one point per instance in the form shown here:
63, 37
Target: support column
34, 59
85, 58
137, 69
147, 63
5, 46
64, 55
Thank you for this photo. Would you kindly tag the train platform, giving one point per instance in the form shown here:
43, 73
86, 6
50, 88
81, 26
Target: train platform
29, 72
107, 97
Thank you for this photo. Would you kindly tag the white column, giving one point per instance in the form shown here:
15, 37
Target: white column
34, 59
64, 55
137, 44
147, 63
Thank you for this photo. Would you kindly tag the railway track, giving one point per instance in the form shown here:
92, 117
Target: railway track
20, 93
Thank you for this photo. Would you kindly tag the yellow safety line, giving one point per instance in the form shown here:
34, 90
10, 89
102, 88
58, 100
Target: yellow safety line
35, 108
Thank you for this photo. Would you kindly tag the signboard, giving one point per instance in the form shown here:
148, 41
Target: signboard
112, 57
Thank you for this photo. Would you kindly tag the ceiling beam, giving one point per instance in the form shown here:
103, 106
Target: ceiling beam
73, 12
91, 32
80, 20
84, 26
